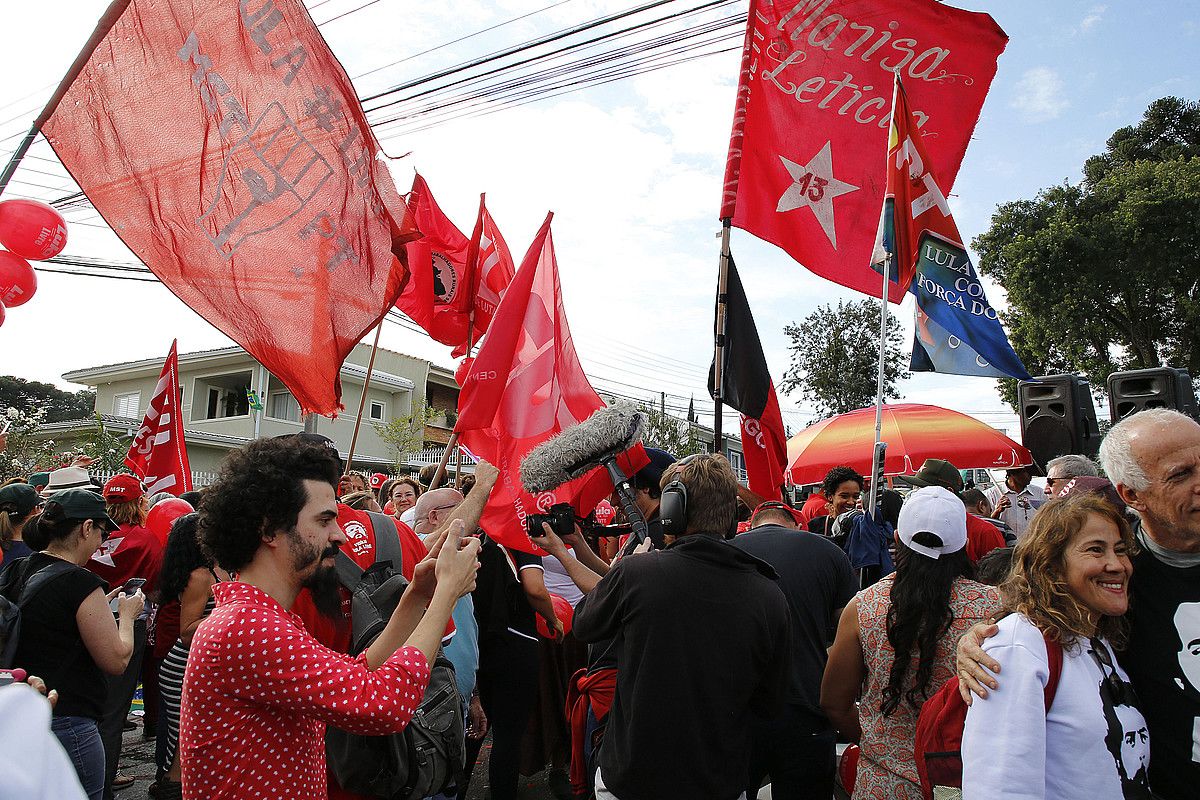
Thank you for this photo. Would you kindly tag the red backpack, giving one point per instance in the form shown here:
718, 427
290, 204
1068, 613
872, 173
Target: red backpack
938, 743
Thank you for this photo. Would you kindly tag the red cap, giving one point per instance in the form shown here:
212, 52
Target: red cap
123, 488
377, 480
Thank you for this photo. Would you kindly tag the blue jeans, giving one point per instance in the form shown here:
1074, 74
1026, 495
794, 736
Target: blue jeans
80, 737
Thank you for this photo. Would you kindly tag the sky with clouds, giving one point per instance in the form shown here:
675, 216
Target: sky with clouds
632, 171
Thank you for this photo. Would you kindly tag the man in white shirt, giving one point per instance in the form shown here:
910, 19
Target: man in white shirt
1016, 502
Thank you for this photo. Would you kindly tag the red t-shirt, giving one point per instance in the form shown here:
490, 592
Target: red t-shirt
815, 506
360, 546
982, 537
130, 552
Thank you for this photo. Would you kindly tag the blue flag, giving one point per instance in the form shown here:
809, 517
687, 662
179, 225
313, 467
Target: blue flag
957, 330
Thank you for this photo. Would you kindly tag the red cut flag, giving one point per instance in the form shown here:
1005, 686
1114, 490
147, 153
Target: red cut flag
158, 454
489, 269
438, 298
525, 386
225, 145
811, 118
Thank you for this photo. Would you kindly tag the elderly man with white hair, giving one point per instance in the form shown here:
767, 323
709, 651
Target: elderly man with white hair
1062, 469
1153, 458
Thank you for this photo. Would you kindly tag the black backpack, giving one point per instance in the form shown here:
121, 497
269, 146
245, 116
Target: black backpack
17, 591
429, 755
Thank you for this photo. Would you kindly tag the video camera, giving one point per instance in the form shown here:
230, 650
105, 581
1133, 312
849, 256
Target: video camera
560, 516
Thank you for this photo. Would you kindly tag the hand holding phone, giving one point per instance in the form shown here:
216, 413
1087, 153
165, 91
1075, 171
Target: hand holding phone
128, 588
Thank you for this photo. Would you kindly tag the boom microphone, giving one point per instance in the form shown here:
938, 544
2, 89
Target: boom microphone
576, 451
597, 441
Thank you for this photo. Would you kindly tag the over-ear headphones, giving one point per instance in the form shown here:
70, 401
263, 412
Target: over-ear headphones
672, 505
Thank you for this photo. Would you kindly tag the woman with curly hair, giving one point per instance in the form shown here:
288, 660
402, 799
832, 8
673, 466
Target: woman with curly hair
1068, 591
842, 487
186, 585
895, 642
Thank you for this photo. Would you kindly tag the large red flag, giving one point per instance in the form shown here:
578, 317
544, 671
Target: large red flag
525, 386
438, 298
158, 454
225, 145
811, 119
489, 270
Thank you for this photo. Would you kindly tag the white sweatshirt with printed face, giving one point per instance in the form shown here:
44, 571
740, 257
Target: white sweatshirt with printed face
1090, 742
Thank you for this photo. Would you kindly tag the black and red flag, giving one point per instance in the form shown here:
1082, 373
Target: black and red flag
747, 386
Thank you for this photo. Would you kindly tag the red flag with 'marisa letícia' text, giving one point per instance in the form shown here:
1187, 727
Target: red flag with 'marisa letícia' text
525, 386
811, 118
225, 145
158, 454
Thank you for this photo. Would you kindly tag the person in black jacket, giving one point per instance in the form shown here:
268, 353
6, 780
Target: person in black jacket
706, 646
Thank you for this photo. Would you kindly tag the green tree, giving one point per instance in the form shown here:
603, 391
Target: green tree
676, 436
1105, 275
835, 357
59, 405
24, 453
406, 434
106, 449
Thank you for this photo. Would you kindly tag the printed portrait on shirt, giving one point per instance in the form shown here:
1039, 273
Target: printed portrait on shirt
1187, 626
1127, 739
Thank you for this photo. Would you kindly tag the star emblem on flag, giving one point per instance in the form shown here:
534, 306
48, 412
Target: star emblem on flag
814, 186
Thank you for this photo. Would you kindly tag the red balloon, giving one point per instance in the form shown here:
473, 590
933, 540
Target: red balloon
18, 281
848, 768
605, 512
562, 610
163, 516
31, 229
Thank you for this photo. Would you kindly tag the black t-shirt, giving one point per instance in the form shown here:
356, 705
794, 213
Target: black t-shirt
51, 646
817, 580
1163, 662
501, 606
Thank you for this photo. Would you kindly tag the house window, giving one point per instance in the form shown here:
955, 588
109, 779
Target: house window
221, 396
126, 405
738, 463
377, 411
283, 406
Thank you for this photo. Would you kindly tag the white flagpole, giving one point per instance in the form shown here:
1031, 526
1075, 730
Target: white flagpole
883, 320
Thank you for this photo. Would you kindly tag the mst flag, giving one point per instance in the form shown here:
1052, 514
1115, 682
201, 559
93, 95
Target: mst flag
490, 269
225, 145
957, 329
158, 454
525, 386
437, 297
746, 385
811, 118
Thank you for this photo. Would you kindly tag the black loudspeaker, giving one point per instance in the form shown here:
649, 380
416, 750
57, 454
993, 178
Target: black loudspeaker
1057, 417
1159, 387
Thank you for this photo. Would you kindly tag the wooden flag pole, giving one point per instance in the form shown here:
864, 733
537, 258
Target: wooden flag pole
719, 339
103, 26
441, 470
362, 401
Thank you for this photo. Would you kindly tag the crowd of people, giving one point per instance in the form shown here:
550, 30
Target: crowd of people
736, 646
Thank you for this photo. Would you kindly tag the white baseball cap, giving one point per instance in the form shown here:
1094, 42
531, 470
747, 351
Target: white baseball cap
937, 511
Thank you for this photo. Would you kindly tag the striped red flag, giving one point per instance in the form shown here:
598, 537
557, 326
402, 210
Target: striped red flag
158, 454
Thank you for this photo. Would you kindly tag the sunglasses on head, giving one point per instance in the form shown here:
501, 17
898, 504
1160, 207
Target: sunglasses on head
1120, 692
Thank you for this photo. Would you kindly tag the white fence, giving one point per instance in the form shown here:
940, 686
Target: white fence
199, 479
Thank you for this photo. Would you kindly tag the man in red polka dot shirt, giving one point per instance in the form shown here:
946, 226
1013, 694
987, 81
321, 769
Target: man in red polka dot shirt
259, 690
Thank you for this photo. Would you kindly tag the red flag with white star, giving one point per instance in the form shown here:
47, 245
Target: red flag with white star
804, 170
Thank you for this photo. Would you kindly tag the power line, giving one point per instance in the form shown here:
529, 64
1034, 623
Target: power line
461, 38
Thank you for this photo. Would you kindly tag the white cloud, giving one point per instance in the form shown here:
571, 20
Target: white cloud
1040, 95
1094, 16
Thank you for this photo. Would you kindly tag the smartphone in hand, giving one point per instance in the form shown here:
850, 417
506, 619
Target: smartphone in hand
129, 587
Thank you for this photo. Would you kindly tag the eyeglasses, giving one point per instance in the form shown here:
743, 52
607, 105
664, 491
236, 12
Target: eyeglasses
1051, 481
1119, 692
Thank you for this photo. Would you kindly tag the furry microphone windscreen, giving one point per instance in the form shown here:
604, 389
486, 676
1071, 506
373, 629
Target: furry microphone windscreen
580, 449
